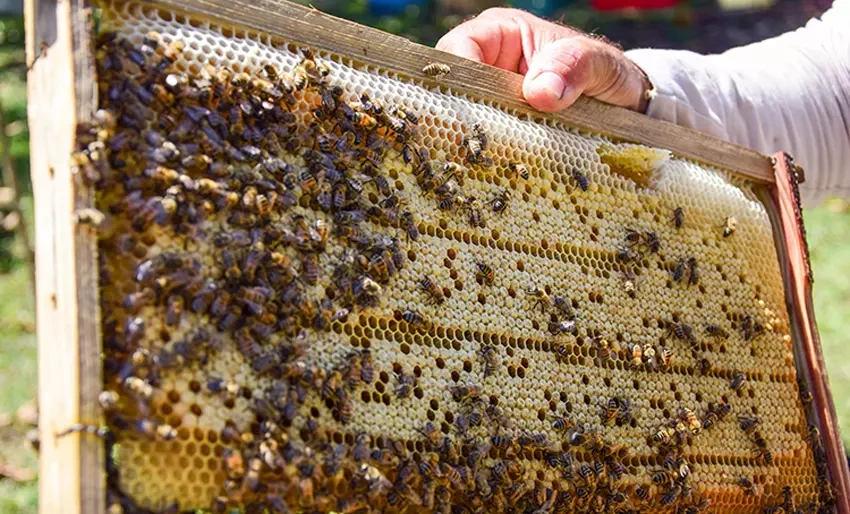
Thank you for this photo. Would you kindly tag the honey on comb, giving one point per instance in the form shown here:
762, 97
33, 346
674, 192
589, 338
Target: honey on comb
328, 289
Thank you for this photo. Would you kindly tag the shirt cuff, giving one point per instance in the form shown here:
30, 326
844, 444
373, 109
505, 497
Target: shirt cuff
674, 96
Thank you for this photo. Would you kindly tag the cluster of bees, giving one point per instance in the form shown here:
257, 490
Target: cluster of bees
277, 172
562, 315
169, 151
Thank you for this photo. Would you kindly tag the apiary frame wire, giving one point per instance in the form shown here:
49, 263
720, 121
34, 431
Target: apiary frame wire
62, 93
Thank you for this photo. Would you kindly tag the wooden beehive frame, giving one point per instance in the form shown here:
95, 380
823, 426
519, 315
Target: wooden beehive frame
62, 93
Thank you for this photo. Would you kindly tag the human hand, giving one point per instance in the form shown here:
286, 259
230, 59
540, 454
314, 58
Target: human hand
559, 63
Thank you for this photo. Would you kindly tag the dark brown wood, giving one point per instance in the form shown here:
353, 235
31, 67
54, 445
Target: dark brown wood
61, 87
365, 45
783, 206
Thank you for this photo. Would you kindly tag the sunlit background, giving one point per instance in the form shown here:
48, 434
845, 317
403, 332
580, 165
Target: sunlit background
699, 25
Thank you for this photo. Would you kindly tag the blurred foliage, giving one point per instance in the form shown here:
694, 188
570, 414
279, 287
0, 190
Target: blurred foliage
13, 94
698, 25
421, 22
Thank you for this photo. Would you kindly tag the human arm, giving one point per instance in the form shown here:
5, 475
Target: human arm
788, 93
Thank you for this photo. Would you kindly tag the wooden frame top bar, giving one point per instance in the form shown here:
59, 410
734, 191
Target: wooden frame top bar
370, 46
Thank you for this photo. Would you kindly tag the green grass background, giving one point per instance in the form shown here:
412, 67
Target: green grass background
829, 238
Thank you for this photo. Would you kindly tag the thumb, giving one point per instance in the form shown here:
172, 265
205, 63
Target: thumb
567, 68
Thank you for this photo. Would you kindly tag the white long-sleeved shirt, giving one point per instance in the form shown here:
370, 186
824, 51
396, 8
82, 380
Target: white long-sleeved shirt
789, 93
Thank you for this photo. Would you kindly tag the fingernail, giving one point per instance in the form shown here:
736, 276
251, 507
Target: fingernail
551, 83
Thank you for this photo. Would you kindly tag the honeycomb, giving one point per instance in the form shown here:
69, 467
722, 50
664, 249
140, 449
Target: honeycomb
329, 288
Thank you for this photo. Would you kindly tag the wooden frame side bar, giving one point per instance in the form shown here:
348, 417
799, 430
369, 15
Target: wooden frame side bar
62, 88
783, 206
372, 47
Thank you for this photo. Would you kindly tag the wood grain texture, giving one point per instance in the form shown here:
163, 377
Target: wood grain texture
783, 206
365, 45
62, 92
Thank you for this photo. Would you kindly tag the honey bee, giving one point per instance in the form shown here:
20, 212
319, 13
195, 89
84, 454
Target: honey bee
174, 310
748, 423
562, 423
603, 348
678, 217
579, 179
465, 392
788, 499
762, 453
499, 202
637, 356
405, 114
805, 394
496, 415
679, 270
671, 495
344, 409
666, 357
361, 450
406, 384
436, 70
473, 213
332, 385
716, 332
431, 433
630, 282
624, 415
729, 226
407, 223
447, 190
90, 216
520, 169
415, 319
367, 369
610, 411
813, 435
476, 144
693, 274
562, 327
738, 379
750, 327
138, 388
533, 439
251, 480
563, 305
485, 273
664, 436
653, 244
133, 302
626, 254
434, 293
541, 298
361, 119
234, 464
682, 331
689, 417
722, 409
703, 366
491, 361
633, 237
747, 485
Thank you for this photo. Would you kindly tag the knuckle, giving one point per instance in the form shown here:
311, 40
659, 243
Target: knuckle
574, 54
